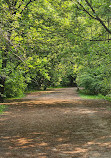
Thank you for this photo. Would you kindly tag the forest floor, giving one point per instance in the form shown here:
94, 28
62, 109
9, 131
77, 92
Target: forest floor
56, 124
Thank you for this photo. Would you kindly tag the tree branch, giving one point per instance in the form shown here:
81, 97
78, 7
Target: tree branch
11, 44
101, 40
8, 3
15, 2
90, 6
86, 10
97, 18
27, 5
94, 12
18, 7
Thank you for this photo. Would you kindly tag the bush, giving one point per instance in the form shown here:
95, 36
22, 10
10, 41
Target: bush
94, 84
2, 108
15, 85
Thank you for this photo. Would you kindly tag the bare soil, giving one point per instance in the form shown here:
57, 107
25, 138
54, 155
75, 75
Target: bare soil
56, 124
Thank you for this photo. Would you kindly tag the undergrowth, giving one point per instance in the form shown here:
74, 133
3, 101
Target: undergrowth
19, 97
2, 108
84, 95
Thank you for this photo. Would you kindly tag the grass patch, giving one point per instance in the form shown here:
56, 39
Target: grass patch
83, 95
86, 96
2, 108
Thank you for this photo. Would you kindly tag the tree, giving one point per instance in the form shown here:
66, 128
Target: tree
11, 11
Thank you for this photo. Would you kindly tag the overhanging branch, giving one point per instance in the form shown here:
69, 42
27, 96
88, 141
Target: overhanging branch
85, 10
101, 40
27, 5
94, 12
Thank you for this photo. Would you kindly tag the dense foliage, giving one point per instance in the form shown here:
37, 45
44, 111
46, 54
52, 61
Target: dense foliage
54, 42
95, 73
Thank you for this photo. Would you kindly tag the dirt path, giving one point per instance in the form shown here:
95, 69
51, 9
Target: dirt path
56, 124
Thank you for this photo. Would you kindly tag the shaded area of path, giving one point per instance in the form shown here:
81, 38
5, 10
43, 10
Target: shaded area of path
56, 124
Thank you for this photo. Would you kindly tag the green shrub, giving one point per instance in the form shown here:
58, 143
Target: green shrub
108, 97
2, 107
15, 85
94, 84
